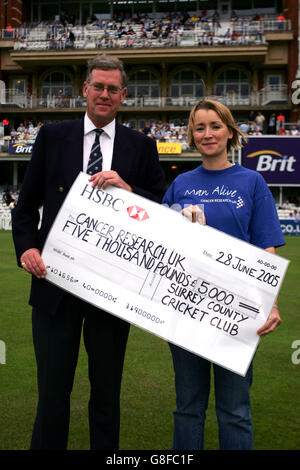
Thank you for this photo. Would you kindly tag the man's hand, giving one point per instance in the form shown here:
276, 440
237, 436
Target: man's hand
105, 178
32, 262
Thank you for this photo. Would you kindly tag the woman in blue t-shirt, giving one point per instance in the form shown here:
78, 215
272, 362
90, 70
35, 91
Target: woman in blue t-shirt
237, 201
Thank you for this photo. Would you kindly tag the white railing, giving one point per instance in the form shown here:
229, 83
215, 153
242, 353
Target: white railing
109, 42
245, 26
275, 25
60, 102
15, 98
273, 94
263, 97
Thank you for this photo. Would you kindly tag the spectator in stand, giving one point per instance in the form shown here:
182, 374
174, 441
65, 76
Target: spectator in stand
294, 130
12, 204
53, 43
272, 124
129, 41
244, 127
251, 117
259, 121
282, 131
147, 128
71, 39
8, 197
297, 214
63, 40
130, 31
287, 205
280, 120
216, 21
280, 21
26, 135
21, 127
227, 36
234, 17
144, 37
234, 36
13, 134
291, 216
203, 16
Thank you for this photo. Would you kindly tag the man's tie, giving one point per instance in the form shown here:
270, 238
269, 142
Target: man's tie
95, 160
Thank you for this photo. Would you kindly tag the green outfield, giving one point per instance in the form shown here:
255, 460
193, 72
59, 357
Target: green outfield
148, 397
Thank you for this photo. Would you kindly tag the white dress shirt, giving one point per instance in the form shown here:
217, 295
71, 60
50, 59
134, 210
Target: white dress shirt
106, 142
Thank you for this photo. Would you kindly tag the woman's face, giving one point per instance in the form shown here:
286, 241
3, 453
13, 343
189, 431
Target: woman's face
210, 134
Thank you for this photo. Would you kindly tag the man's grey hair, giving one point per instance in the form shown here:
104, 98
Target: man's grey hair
105, 62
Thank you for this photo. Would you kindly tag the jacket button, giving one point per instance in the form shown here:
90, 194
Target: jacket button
60, 189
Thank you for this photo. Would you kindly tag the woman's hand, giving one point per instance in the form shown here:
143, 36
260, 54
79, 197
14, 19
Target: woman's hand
194, 214
273, 321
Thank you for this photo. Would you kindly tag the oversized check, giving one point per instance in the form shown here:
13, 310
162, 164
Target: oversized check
187, 283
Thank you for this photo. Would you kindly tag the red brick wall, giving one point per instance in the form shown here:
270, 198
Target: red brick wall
11, 14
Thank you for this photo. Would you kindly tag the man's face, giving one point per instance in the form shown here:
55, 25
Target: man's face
103, 104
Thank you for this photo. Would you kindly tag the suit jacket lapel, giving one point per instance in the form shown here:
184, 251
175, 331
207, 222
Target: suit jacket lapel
122, 154
72, 149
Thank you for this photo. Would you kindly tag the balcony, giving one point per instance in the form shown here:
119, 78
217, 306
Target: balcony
273, 94
268, 96
13, 98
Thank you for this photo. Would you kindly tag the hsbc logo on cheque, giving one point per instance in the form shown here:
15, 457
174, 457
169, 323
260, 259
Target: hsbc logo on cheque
137, 213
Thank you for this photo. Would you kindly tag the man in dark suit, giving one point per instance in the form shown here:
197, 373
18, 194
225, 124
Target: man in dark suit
128, 160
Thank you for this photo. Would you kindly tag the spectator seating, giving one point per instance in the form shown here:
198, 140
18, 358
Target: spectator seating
291, 213
159, 32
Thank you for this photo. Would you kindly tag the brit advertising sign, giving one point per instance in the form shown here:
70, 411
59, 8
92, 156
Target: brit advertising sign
276, 158
20, 147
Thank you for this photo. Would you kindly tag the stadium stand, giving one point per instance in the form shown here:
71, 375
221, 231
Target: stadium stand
163, 32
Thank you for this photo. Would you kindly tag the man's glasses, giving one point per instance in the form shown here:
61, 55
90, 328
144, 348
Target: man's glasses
99, 88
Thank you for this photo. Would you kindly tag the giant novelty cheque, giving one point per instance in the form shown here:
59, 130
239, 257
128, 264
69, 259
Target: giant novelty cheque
187, 283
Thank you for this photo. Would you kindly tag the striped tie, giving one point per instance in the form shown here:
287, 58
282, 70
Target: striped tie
95, 160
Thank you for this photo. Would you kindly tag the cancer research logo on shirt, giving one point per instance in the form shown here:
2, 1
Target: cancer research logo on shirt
137, 213
240, 203
219, 194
